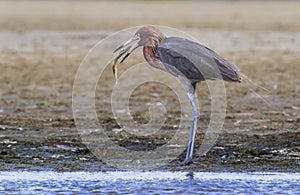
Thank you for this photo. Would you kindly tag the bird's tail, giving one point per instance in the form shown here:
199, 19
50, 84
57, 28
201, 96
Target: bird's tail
252, 86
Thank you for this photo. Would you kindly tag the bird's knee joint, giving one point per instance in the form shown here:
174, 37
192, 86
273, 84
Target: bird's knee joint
196, 115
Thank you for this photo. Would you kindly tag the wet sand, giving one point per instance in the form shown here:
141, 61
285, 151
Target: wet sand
40, 54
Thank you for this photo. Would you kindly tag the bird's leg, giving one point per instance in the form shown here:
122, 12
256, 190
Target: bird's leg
193, 129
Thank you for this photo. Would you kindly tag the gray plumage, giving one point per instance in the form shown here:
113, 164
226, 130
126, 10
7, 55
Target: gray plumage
195, 61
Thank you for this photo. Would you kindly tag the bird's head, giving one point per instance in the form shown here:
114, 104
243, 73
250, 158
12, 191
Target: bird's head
145, 36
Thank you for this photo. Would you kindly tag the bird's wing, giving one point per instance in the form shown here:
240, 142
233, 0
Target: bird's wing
195, 61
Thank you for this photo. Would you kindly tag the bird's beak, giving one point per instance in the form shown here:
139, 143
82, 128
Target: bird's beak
126, 49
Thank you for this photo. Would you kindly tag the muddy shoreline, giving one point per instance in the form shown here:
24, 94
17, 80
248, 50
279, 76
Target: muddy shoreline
62, 150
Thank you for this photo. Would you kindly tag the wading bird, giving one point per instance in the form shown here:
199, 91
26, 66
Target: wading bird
191, 62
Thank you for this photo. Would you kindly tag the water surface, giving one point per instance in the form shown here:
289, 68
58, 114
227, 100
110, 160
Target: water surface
156, 182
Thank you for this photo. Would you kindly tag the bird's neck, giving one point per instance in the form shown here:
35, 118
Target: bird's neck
150, 54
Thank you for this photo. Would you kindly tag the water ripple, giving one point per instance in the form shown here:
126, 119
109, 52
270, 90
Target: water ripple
154, 182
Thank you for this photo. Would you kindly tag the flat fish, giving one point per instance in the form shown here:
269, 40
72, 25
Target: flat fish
114, 65
115, 60
115, 71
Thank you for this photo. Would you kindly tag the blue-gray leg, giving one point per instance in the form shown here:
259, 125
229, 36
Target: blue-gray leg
193, 129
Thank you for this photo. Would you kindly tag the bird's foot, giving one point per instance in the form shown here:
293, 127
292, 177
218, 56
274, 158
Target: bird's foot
186, 162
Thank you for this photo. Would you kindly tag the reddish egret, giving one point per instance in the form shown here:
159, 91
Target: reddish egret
191, 62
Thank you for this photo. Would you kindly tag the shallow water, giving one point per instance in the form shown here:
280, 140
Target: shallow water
156, 182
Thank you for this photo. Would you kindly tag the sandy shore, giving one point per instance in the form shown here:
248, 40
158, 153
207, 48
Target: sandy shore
43, 44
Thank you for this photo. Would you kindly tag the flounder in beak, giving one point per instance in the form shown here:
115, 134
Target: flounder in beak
124, 51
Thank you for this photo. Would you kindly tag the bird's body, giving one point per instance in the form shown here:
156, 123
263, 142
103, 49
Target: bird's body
188, 60
195, 61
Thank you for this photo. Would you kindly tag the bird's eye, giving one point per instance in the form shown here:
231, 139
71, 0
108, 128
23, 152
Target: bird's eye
137, 36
